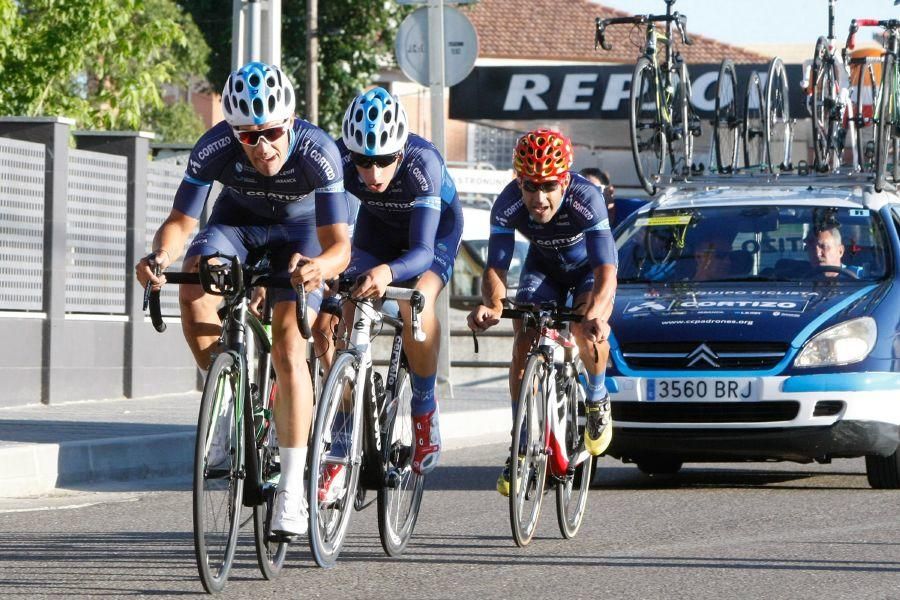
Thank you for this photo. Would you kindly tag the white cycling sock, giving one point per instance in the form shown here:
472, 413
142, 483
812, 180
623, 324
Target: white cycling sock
293, 463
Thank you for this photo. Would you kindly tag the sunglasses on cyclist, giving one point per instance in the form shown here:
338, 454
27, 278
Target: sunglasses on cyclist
366, 162
546, 186
252, 138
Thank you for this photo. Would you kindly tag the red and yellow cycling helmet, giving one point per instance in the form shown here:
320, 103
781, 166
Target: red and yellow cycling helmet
543, 155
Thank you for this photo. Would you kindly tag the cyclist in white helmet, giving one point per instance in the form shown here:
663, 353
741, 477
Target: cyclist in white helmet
407, 232
270, 163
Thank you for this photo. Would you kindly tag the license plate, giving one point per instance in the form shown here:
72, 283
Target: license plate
725, 390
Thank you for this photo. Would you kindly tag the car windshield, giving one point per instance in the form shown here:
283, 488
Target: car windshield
753, 243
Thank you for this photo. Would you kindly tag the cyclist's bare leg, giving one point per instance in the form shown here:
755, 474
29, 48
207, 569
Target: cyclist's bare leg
323, 331
199, 317
594, 365
294, 408
422, 358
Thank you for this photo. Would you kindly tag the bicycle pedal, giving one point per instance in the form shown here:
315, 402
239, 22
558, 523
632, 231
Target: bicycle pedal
280, 538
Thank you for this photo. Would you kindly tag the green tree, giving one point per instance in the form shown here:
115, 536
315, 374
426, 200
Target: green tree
356, 40
102, 62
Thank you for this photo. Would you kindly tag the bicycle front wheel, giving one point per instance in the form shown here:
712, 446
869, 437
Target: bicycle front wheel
778, 119
218, 480
528, 456
334, 462
727, 124
681, 145
572, 492
400, 497
754, 134
270, 553
648, 137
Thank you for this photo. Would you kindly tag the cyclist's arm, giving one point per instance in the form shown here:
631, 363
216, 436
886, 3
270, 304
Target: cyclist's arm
173, 233
603, 258
333, 232
423, 226
501, 246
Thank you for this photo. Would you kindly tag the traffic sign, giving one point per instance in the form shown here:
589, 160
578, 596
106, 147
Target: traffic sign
460, 46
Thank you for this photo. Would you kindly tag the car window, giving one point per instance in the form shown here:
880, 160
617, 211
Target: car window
793, 243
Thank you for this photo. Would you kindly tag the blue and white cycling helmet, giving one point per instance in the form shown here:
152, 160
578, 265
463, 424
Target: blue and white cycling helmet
375, 124
257, 93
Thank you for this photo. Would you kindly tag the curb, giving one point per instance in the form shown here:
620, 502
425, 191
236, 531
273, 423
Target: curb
36, 469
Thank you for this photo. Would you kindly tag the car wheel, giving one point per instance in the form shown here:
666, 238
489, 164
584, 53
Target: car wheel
883, 472
659, 466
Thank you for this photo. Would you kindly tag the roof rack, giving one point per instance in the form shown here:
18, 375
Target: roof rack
788, 178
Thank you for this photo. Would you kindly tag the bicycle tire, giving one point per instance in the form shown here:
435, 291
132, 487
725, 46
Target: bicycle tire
681, 145
270, 554
216, 524
866, 96
572, 493
885, 121
753, 130
528, 457
777, 120
398, 507
726, 133
648, 138
328, 522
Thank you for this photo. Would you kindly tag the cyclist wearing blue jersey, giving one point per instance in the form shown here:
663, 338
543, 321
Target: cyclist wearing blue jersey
270, 164
571, 253
407, 232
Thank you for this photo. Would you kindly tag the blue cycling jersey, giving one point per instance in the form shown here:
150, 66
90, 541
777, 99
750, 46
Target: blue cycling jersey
313, 165
420, 198
578, 234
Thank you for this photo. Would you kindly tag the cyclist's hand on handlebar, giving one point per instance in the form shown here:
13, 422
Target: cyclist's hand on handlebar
305, 271
145, 269
373, 282
483, 317
594, 330
257, 301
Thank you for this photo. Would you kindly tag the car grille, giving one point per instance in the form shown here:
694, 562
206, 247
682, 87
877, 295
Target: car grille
700, 356
704, 412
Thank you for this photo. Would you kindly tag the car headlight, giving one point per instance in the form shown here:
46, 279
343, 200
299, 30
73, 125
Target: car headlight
843, 344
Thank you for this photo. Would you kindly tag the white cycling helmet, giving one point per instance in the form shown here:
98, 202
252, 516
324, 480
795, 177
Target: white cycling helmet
257, 93
375, 124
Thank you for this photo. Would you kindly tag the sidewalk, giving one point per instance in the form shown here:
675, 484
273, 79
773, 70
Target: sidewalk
69, 445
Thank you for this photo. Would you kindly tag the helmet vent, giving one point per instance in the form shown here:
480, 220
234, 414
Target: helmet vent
258, 107
244, 108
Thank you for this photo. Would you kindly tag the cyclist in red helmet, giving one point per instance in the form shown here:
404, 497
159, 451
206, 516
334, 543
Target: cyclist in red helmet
572, 257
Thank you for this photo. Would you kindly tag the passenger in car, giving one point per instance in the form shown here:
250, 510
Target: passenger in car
713, 255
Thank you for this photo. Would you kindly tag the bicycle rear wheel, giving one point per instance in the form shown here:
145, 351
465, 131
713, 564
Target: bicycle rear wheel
572, 493
885, 119
754, 131
648, 139
528, 457
866, 97
401, 496
777, 122
681, 144
824, 99
727, 124
218, 481
335, 442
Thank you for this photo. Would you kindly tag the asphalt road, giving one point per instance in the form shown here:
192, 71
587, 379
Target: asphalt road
722, 531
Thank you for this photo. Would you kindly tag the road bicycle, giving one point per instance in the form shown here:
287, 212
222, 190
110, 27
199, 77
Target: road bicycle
887, 103
236, 460
363, 424
548, 426
833, 119
661, 118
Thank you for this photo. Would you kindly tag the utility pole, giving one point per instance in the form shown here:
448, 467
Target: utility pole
312, 61
436, 91
255, 32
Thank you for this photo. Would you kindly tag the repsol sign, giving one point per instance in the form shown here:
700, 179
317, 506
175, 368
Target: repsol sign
586, 91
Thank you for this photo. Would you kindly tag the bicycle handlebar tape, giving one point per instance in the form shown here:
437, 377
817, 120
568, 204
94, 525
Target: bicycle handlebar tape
302, 320
156, 312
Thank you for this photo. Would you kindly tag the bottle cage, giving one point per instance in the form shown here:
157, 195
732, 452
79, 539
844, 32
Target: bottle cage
221, 278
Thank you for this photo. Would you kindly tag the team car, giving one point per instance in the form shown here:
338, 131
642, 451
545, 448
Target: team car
758, 321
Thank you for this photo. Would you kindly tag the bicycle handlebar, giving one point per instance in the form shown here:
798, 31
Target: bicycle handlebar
222, 286
678, 19
415, 298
